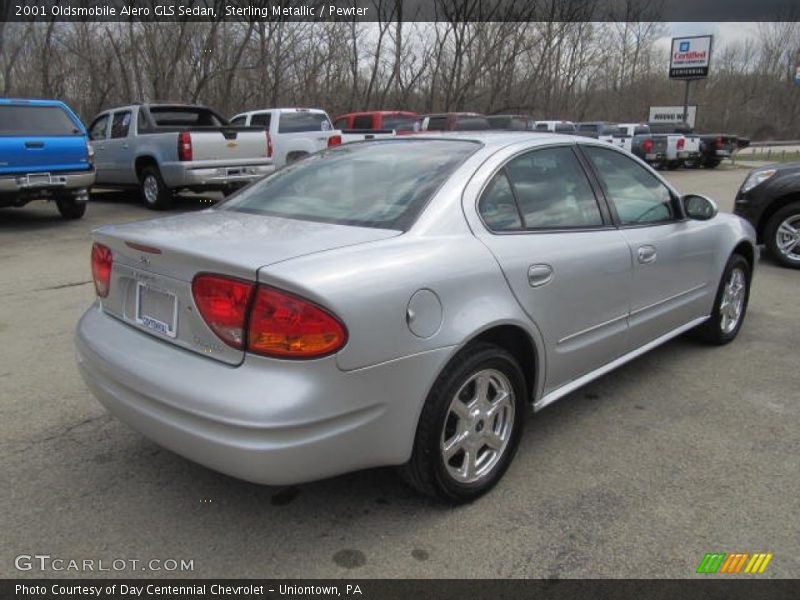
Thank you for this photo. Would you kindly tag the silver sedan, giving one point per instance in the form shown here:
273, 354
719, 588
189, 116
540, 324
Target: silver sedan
403, 302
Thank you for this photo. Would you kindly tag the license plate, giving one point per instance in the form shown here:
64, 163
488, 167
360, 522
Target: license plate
36, 179
683, 154
156, 309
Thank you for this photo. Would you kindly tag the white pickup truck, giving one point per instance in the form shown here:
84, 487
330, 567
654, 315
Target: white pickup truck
163, 148
295, 132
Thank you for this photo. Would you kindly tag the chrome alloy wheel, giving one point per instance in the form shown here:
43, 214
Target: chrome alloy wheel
478, 426
787, 238
150, 187
731, 305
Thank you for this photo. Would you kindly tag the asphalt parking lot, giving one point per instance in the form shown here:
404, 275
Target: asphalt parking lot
685, 451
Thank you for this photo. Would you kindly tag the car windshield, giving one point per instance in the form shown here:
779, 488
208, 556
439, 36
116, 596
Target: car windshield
379, 184
36, 120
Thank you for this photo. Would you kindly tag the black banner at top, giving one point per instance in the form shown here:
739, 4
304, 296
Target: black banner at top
394, 10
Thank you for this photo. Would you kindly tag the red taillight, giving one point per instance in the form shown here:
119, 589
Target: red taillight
681, 143
334, 140
102, 261
184, 145
719, 142
222, 303
647, 146
286, 326
269, 145
90, 153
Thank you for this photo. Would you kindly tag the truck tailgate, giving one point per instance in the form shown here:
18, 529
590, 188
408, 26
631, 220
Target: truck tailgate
38, 154
228, 144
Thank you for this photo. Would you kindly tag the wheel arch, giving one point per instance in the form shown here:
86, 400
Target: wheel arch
748, 251
771, 209
145, 160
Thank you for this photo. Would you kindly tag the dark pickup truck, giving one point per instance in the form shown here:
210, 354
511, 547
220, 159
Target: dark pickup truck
44, 154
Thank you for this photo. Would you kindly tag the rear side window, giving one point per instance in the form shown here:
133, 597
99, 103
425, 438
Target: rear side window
541, 127
410, 173
36, 120
261, 120
639, 198
437, 124
303, 121
98, 129
120, 124
400, 123
565, 128
498, 207
551, 191
362, 122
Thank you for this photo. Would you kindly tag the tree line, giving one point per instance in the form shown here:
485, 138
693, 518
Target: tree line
564, 68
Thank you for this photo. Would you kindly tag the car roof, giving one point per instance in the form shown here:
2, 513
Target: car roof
498, 139
32, 101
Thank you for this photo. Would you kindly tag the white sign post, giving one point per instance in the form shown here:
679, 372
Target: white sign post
690, 59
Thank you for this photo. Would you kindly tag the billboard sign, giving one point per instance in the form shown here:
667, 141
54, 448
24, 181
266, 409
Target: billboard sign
690, 57
672, 114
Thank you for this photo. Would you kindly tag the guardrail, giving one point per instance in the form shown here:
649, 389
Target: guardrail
777, 143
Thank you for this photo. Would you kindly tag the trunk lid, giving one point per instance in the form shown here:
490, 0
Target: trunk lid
155, 262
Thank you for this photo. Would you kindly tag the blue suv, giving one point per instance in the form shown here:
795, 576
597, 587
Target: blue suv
44, 154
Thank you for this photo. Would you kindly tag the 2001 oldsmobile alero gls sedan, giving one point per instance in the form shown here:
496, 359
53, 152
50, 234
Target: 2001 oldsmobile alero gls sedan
402, 302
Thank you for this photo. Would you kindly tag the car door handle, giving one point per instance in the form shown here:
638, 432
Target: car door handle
125, 146
647, 254
34, 144
539, 275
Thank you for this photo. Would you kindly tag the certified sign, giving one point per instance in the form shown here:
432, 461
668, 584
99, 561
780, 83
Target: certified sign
690, 57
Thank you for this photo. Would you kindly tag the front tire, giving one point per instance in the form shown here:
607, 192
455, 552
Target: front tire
730, 304
782, 235
470, 426
155, 193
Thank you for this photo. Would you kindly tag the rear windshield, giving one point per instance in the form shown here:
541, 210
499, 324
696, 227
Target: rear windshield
400, 123
472, 123
36, 120
190, 116
295, 122
339, 185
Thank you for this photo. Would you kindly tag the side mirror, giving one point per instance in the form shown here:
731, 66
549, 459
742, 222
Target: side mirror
699, 208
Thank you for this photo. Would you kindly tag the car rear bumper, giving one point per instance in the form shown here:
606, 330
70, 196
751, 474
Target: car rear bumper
37, 183
267, 421
182, 175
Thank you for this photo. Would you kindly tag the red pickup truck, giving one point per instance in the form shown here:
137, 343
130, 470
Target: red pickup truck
401, 121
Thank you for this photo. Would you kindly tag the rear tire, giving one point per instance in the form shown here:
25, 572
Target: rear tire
730, 304
156, 195
70, 208
470, 425
782, 236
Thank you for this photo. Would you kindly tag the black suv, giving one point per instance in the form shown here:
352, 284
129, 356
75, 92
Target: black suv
770, 199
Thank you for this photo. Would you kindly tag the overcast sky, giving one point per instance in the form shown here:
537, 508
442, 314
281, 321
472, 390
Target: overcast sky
724, 33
